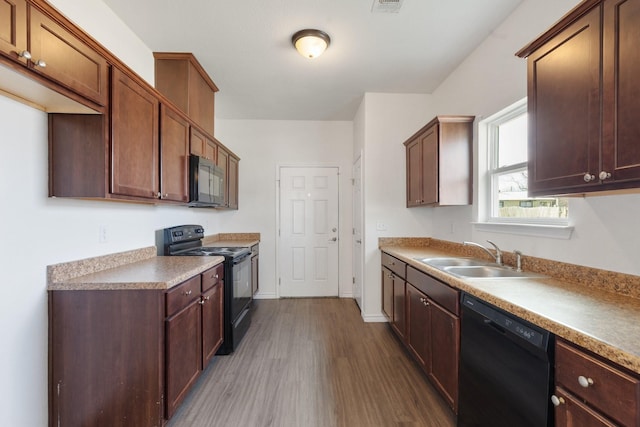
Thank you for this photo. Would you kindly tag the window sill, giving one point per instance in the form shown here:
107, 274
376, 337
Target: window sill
536, 230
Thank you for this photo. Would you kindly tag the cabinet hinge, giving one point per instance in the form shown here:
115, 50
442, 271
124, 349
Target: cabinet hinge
353, 181
353, 280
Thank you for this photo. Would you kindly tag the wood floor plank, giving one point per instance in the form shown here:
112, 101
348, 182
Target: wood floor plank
314, 363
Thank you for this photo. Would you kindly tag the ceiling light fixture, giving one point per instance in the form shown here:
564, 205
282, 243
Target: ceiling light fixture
310, 43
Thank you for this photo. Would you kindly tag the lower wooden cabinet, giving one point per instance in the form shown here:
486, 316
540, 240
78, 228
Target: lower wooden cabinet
130, 357
591, 391
425, 314
433, 336
106, 358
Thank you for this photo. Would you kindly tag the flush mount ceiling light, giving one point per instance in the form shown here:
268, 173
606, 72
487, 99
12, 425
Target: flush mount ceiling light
310, 43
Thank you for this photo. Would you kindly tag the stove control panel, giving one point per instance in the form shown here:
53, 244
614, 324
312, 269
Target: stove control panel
184, 233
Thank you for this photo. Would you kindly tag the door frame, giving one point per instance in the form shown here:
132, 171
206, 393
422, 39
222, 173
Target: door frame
277, 224
359, 159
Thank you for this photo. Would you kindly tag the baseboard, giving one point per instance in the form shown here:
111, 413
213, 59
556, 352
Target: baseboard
374, 318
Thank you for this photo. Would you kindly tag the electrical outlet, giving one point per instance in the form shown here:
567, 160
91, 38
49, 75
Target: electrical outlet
381, 226
103, 234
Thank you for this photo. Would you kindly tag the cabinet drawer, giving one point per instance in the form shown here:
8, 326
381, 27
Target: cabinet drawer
182, 295
212, 276
609, 390
442, 294
395, 265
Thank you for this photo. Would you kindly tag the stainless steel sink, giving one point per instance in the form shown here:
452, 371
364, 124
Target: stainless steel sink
453, 261
472, 268
488, 272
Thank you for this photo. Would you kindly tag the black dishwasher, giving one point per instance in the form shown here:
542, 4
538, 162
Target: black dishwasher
506, 363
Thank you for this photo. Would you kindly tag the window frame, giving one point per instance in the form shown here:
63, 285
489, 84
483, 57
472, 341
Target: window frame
488, 174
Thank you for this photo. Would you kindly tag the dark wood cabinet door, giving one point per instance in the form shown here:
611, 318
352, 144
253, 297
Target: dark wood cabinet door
445, 350
233, 183
430, 161
255, 276
414, 173
68, 60
399, 312
13, 28
223, 163
419, 326
621, 91
106, 358
387, 294
174, 156
212, 322
183, 354
134, 145
564, 108
573, 413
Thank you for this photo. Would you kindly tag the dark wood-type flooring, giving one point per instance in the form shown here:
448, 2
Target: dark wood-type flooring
314, 363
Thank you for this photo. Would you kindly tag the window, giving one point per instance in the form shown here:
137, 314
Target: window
506, 177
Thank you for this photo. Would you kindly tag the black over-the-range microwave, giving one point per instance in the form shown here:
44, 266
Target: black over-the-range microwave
206, 183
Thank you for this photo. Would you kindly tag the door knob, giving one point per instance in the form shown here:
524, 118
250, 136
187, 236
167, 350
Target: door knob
335, 239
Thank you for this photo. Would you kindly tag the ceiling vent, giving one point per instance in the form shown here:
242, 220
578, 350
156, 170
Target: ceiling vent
386, 6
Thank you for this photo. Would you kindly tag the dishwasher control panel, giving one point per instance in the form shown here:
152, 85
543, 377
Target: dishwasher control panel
523, 329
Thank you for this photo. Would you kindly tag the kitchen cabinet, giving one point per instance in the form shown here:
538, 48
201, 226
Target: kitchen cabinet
46, 47
233, 182
134, 133
591, 391
139, 153
181, 78
183, 342
106, 357
395, 285
255, 269
174, 155
194, 332
433, 331
582, 101
13, 29
439, 163
202, 146
212, 312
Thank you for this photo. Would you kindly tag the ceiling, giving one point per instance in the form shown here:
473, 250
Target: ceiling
245, 46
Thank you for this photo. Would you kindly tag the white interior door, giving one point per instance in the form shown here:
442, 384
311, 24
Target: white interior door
357, 231
309, 256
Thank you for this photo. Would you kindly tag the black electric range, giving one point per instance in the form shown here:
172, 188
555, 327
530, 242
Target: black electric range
186, 240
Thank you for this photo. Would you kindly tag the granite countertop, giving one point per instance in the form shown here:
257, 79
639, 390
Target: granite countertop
137, 269
596, 315
233, 240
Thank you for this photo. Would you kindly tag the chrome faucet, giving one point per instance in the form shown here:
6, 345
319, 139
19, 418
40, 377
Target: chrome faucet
518, 255
497, 256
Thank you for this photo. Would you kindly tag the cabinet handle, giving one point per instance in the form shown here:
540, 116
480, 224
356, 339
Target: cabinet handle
424, 301
25, 54
588, 177
40, 63
604, 175
187, 293
557, 401
584, 381
165, 195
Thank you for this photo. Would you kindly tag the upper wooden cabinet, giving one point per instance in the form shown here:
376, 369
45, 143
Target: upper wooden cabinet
139, 152
439, 162
201, 145
13, 28
51, 50
583, 103
181, 78
135, 140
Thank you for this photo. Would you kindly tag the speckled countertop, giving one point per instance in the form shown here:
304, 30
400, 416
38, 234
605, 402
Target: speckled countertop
237, 240
596, 309
136, 269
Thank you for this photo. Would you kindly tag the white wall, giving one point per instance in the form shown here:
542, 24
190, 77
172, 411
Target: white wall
384, 122
606, 232
263, 146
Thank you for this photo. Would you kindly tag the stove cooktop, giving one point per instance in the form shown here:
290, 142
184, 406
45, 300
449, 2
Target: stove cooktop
232, 252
